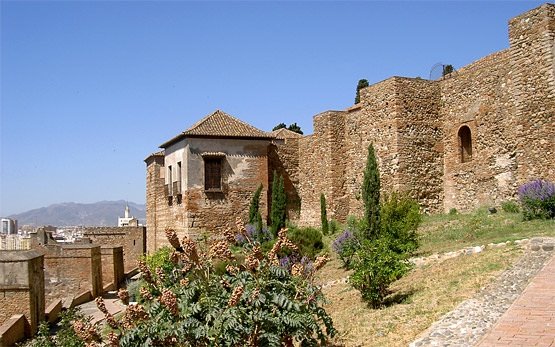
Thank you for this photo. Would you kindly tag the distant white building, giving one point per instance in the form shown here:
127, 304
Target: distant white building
127, 220
9, 226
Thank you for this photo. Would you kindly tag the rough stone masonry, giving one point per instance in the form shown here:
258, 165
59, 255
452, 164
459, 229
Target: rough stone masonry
468, 139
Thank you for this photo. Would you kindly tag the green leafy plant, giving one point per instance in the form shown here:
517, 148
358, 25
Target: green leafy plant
254, 302
510, 207
447, 69
279, 126
308, 240
65, 334
279, 204
371, 195
295, 128
361, 84
400, 218
324, 214
376, 266
333, 226
255, 218
453, 211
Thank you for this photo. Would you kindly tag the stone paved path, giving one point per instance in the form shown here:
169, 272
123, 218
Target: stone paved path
111, 301
530, 321
474, 318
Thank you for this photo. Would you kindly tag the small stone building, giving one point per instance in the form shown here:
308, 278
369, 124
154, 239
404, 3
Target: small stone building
466, 140
205, 176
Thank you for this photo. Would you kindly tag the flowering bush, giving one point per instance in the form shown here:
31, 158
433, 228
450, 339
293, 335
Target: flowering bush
345, 246
252, 234
537, 199
255, 302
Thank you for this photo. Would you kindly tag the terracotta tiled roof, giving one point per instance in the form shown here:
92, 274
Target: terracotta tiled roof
284, 133
221, 124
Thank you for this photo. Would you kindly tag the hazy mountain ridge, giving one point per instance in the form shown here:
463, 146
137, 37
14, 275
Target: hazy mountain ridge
102, 213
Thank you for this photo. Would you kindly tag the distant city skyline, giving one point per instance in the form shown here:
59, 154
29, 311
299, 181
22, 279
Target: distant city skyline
89, 89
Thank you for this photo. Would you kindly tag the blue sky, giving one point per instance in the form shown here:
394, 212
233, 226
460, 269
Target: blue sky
89, 89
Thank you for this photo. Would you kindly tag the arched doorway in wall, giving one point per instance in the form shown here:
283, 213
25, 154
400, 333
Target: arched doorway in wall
465, 144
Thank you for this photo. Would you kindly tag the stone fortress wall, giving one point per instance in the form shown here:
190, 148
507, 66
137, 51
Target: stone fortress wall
469, 139
506, 100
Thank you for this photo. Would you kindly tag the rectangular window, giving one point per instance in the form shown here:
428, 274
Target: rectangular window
170, 181
178, 180
213, 173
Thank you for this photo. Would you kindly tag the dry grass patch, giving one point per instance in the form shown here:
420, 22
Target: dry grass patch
417, 300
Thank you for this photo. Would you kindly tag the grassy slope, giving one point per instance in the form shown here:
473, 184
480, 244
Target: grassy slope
442, 233
426, 293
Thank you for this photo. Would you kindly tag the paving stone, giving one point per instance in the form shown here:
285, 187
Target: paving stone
475, 317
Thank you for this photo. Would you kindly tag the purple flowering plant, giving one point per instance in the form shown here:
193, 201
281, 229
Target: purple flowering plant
345, 246
260, 236
287, 262
537, 199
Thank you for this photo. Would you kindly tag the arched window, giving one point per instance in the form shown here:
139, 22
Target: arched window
465, 144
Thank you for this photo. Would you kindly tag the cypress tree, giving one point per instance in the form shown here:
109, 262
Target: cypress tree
324, 214
279, 202
371, 195
255, 205
361, 84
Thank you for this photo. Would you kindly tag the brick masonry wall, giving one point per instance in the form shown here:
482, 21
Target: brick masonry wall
315, 162
284, 159
374, 123
245, 167
506, 99
71, 270
22, 287
132, 239
419, 142
532, 38
14, 301
486, 108
112, 265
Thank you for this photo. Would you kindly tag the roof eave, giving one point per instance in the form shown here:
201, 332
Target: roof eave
183, 136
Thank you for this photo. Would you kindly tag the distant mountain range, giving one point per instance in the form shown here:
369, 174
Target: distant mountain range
102, 213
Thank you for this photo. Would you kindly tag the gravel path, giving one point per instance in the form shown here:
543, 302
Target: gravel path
473, 318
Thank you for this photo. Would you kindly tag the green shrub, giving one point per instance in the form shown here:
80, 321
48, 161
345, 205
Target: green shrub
257, 303
324, 214
133, 288
452, 211
279, 204
333, 226
65, 335
309, 240
371, 195
255, 218
400, 217
356, 225
510, 207
159, 259
376, 266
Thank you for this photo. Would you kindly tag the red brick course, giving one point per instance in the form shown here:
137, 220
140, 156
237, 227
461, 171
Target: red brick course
530, 321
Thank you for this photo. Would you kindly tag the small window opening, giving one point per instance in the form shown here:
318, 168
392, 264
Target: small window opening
465, 143
170, 181
213, 174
